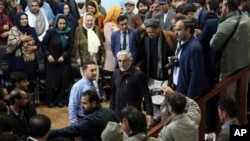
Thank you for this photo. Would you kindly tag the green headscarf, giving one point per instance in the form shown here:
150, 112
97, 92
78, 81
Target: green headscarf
63, 33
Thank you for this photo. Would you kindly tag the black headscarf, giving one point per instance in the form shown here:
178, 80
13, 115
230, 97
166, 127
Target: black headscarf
24, 29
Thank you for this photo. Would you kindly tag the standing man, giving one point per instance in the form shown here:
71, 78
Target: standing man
138, 19
165, 16
185, 119
125, 38
37, 18
129, 87
86, 83
156, 46
94, 122
232, 38
129, 8
189, 75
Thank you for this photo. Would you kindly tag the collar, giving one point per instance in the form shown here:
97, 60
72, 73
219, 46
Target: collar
15, 112
228, 123
31, 138
123, 31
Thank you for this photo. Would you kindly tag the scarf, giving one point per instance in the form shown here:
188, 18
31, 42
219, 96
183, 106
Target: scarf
159, 68
40, 23
112, 15
15, 36
93, 40
63, 33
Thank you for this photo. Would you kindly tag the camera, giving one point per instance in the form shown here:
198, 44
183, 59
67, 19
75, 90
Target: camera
173, 62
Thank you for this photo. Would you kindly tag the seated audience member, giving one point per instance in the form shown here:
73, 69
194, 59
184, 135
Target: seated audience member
113, 131
6, 124
39, 126
182, 126
20, 81
138, 127
91, 126
18, 101
227, 110
9, 137
124, 119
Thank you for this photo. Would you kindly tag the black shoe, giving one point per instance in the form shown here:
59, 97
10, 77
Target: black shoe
60, 105
50, 105
155, 122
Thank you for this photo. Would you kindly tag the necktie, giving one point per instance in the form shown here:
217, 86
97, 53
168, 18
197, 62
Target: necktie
92, 86
124, 41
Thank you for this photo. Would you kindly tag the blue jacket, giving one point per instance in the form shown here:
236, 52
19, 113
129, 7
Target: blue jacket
192, 80
134, 39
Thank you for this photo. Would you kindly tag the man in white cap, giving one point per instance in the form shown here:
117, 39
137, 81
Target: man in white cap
129, 6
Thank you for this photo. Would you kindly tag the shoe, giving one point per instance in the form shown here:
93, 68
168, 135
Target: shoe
155, 122
60, 105
51, 105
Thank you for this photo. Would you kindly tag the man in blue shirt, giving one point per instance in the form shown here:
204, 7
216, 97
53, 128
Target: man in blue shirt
86, 83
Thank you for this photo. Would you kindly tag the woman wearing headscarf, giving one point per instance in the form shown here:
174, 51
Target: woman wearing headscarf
57, 46
22, 46
110, 26
92, 7
87, 41
64, 8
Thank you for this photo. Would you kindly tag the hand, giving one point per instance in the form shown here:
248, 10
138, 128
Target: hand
5, 34
6, 26
51, 59
167, 90
102, 60
78, 61
61, 59
30, 49
26, 38
197, 31
153, 7
149, 119
143, 27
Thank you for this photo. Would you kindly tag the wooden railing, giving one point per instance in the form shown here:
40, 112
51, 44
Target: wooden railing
219, 90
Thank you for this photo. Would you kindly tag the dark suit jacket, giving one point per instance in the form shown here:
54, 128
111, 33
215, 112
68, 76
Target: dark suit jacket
134, 39
192, 80
212, 58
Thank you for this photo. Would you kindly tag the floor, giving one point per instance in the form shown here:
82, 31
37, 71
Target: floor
59, 116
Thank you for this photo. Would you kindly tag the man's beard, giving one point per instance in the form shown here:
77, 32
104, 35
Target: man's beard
143, 12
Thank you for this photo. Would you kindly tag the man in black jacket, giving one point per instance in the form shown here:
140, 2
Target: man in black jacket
129, 87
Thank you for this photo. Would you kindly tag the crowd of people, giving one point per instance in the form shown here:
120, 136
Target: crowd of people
159, 61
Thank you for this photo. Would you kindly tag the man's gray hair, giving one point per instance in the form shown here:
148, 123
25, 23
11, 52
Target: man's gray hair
125, 52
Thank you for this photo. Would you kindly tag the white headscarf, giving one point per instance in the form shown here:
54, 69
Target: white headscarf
93, 40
